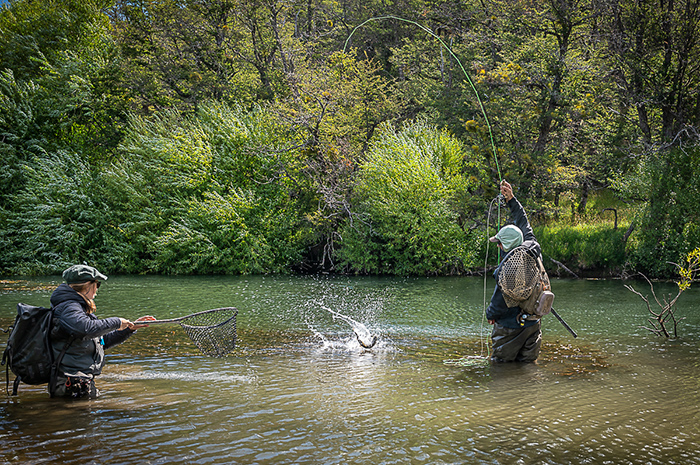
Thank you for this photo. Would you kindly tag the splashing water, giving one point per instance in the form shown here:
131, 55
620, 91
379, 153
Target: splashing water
363, 335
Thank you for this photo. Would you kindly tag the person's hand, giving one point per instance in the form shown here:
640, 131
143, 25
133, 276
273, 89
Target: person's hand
125, 324
506, 190
492, 322
143, 319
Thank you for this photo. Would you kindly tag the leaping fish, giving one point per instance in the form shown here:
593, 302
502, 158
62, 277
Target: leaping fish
364, 337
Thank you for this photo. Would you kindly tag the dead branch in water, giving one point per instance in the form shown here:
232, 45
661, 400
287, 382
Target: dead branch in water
664, 319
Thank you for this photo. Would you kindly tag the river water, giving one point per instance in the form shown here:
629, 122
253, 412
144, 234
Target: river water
299, 389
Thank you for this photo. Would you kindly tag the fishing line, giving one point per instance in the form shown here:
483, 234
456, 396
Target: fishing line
486, 259
466, 360
471, 84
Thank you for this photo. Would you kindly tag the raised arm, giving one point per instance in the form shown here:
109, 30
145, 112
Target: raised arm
517, 212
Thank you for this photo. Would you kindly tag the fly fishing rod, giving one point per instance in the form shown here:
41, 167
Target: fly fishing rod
457, 60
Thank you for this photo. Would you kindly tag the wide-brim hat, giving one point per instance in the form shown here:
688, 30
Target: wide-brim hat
82, 274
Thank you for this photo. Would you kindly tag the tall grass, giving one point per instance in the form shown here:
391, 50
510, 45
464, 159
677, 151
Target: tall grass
584, 248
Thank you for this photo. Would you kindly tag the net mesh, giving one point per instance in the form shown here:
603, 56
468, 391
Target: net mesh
519, 275
213, 331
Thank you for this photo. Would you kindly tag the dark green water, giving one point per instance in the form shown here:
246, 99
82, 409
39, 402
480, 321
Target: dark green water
300, 389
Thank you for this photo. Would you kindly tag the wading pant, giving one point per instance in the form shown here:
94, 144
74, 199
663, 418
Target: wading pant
516, 345
76, 387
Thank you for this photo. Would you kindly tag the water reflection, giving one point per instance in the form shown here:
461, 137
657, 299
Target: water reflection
300, 389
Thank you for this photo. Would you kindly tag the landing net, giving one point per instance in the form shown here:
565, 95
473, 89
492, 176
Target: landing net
518, 276
213, 331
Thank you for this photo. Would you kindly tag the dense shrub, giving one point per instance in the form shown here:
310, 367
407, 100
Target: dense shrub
668, 225
222, 203
406, 220
200, 194
58, 219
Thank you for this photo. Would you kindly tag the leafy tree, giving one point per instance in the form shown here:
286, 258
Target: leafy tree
654, 52
334, 111
183, 53
64, 93
36, 32
668, 225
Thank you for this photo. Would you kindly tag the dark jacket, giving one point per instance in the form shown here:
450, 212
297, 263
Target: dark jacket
92, 335
498, 310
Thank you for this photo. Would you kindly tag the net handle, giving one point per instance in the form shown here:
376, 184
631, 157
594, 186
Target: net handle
182, 318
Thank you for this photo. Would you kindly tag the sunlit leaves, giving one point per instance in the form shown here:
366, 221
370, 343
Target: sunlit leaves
406, 223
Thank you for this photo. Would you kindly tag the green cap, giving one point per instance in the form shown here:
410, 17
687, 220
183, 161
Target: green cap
509, 236
82, 274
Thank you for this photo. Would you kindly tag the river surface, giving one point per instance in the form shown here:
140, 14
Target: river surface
299, 389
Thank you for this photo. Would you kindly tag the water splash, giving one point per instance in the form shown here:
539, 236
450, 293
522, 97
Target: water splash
363, 335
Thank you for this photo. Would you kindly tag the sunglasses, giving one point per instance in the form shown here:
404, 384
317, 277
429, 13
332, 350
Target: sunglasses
99, 283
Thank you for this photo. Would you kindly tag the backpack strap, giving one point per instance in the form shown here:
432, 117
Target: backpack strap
56, 363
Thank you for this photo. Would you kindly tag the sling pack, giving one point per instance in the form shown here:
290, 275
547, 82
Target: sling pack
29, 352
525, 284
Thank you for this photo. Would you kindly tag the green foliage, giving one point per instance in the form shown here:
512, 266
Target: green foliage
62, 94
34, 33
19, 137
197, 194
668, 227
405, 223
58, 220
215, 200
584, 247
192, 183
182, 53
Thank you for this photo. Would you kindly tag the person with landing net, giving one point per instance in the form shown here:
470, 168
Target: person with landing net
79, 338
513, 337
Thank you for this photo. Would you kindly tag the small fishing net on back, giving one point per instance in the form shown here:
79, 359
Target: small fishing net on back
213, 331
519, 275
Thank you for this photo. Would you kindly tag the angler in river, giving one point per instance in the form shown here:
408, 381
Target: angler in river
79, 337
513, 338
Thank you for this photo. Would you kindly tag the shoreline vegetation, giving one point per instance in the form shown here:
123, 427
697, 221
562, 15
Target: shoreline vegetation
229, 138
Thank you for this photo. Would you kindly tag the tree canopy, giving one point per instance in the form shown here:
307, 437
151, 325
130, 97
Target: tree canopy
258, 136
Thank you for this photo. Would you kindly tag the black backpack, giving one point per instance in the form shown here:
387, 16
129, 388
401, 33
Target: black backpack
29, 353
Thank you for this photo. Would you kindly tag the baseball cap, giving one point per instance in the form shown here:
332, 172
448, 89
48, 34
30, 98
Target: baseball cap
82, 274
509, 236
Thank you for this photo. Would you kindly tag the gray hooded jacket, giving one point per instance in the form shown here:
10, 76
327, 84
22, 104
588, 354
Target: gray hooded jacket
92, 335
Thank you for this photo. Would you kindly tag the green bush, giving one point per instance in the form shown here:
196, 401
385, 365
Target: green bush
58, 219
199, 194
405, 222
216, 197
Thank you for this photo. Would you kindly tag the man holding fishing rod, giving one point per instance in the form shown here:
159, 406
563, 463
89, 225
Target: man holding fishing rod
514, 338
